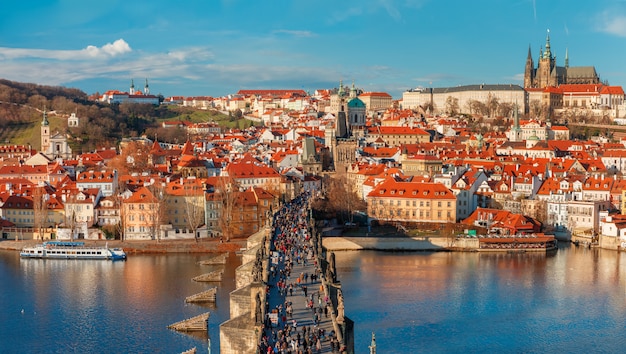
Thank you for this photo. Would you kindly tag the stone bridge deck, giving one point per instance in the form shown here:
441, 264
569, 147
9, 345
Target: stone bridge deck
301, 313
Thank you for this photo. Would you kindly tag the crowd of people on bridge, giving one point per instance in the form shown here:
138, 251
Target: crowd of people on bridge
291, 247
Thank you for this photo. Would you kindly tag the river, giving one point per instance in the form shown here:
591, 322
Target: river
570, 301
95, 306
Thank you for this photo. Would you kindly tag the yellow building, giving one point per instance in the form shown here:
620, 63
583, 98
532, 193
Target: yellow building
376, 101
394, 201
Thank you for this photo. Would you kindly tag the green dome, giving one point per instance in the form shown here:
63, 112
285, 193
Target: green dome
356, 103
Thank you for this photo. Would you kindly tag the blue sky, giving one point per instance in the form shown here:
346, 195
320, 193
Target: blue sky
210, 47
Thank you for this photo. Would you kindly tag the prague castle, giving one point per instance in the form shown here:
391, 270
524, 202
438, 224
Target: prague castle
547, 73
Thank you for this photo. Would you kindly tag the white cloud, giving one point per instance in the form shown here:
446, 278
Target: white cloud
301, 34
613, 24
118, 47
108, 50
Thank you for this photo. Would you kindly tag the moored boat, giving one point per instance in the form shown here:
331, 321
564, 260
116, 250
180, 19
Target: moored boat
535, 242
72, 250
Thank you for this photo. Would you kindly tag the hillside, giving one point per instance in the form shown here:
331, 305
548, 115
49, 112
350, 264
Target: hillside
101, 124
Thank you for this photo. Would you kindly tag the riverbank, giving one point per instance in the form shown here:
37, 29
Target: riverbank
148, 246
341, 243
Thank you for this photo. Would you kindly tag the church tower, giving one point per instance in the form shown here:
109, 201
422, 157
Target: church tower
146, 89
546, 64
132, 87
529, 71
45, 133
515, 134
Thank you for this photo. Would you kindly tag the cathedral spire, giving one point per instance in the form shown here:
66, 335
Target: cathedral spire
547, 53
146, 89
132, 87
516, 118
566, 58
340, 92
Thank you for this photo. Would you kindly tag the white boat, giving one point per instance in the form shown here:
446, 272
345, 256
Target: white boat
72, 250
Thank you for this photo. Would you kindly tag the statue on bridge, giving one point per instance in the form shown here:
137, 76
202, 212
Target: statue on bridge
340, 307
258, 315
332, 270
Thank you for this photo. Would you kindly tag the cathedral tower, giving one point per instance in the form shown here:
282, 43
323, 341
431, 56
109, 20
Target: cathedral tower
529, 71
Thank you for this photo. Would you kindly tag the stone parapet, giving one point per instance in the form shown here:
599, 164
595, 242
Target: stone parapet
239, 335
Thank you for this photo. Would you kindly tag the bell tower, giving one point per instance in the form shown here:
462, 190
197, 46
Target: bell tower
45, 133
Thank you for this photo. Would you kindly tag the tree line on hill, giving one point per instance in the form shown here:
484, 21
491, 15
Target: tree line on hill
101, 124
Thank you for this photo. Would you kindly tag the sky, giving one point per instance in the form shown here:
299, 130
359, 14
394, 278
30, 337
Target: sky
217, 47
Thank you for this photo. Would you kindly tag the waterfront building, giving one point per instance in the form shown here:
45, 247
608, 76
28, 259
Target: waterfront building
583, 218
80, 207
612, 231
503, 222
108, 212
141, 215
18, 210
408, 201
184, 200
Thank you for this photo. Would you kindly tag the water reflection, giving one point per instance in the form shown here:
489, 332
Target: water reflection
103, 306
501, 302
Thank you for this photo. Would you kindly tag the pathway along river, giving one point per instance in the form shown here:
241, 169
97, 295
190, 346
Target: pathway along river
571, 301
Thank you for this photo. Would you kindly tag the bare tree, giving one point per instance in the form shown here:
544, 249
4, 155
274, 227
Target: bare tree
340, 200
118, 204
40, 210
452, 105
536, 108
226, 191
492, 104
70, 222
156, 209
194, 205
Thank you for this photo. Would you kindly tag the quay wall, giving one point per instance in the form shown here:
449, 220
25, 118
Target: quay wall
340, 243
